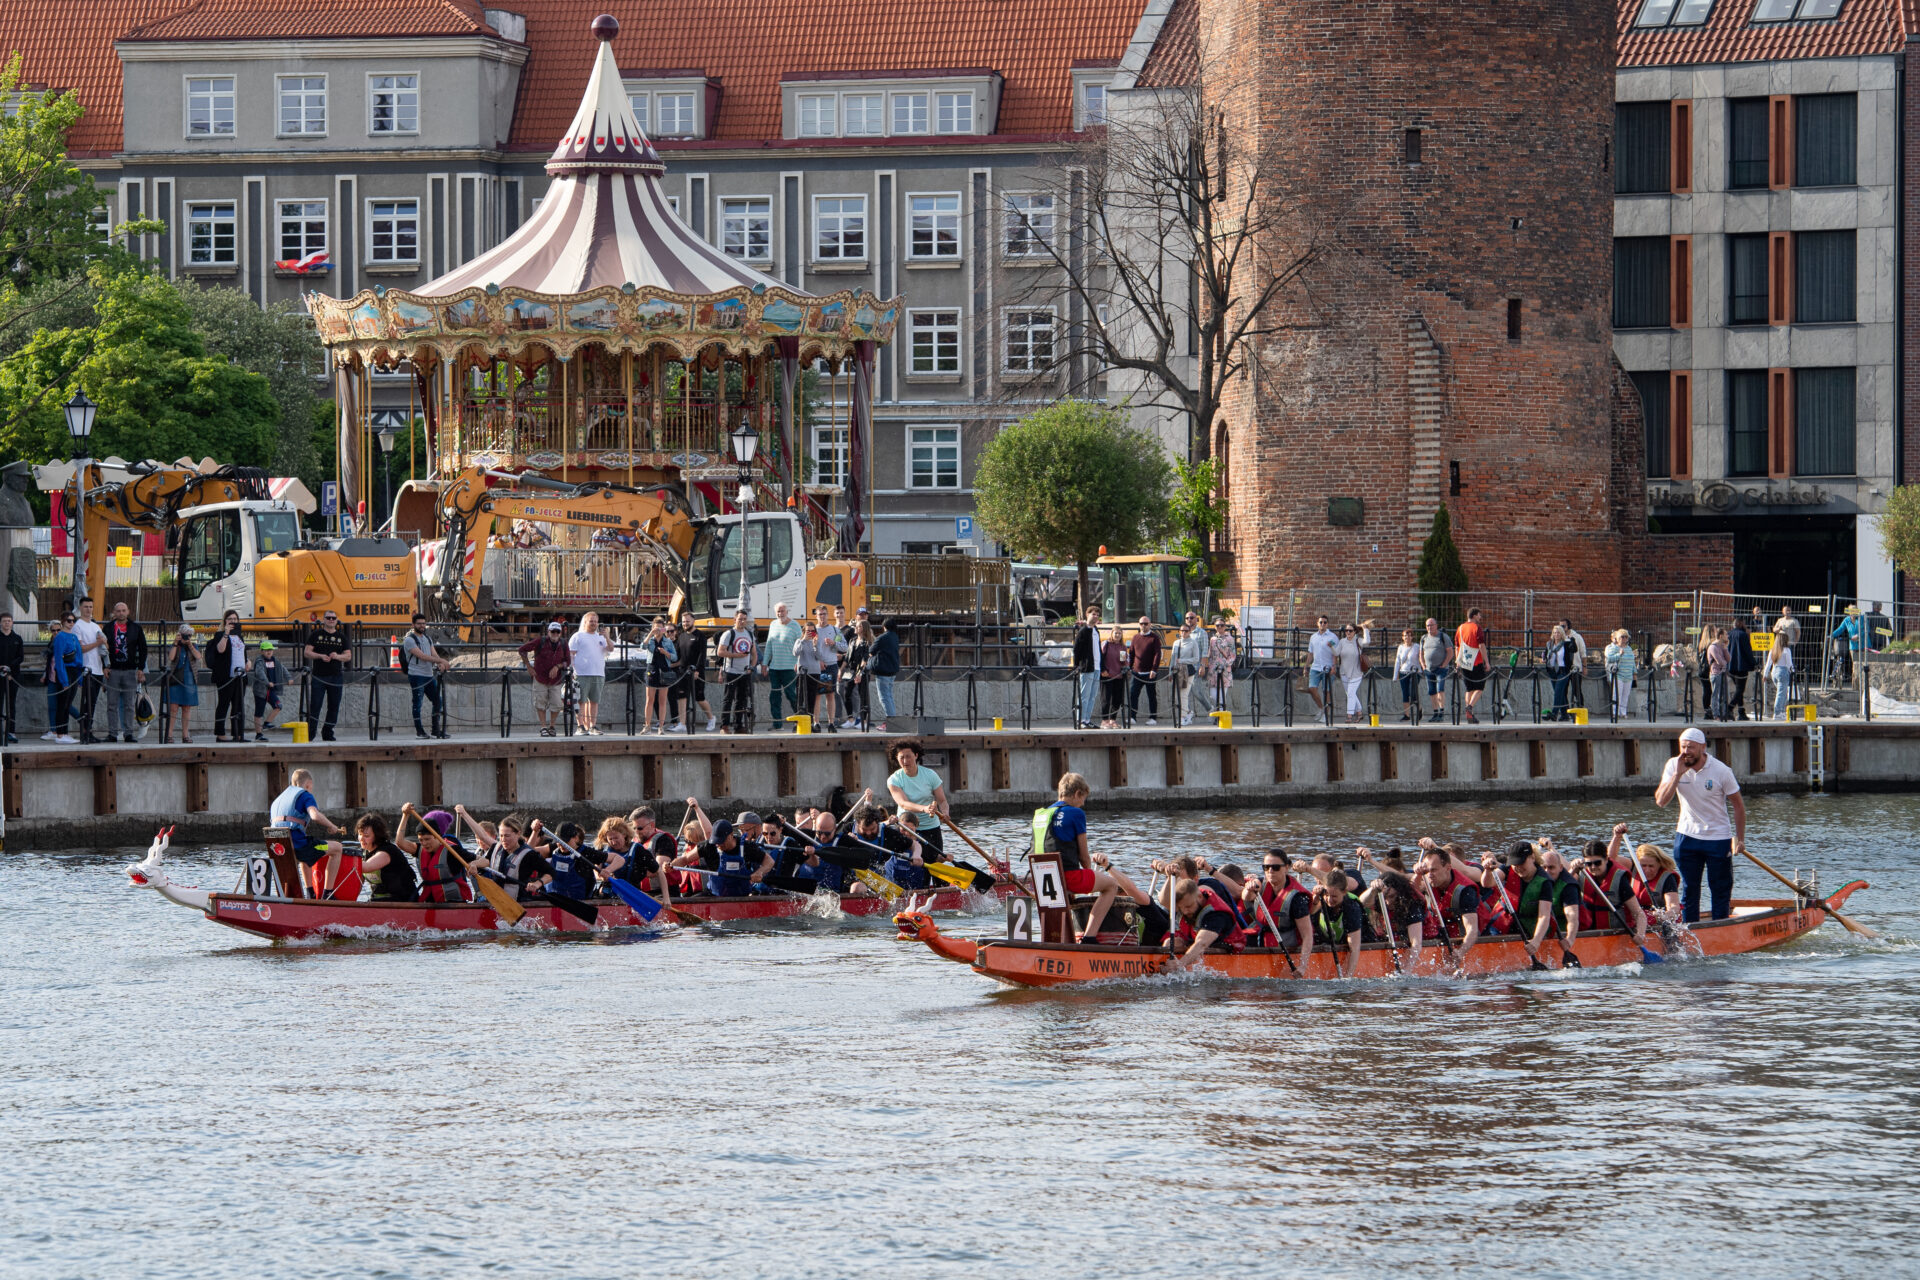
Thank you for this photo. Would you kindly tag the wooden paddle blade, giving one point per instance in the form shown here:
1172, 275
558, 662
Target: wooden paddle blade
879, 883
500, 900
574, 907
1852, 926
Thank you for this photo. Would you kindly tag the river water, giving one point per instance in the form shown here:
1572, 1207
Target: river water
813, 1098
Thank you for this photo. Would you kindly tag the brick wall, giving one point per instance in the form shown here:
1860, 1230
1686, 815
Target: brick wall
1512, 199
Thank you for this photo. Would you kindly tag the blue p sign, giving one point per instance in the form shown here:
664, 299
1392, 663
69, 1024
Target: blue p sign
963, 528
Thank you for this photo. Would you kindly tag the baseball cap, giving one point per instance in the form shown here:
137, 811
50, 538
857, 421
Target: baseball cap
749, 818
1693, 735
721, 830
554, 626
266, 646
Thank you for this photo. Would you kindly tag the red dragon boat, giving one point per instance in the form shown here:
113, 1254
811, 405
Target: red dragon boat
1019, 961
259, 906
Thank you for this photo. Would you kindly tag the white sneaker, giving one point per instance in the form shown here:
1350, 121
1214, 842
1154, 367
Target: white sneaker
849, 723
1151, 720
713, 722
49, 736
67, 740
680, 728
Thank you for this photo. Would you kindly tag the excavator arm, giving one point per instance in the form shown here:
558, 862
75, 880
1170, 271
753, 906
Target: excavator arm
477, 497
151, 500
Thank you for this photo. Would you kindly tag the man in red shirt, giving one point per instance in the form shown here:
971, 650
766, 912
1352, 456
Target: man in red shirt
1144, 659
1470, 651
548, 658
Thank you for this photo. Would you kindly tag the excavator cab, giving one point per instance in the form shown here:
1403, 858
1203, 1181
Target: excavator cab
219, 545
249, 556
760, 560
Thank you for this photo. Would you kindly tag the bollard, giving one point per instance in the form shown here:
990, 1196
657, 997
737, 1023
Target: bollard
299, 733
1579, 714
1221, 719
998, 724
801, 724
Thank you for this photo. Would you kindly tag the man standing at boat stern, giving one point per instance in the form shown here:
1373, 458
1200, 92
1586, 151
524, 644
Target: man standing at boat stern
1712, 825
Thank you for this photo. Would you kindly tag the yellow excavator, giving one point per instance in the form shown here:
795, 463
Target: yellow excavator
237, 547
716, 564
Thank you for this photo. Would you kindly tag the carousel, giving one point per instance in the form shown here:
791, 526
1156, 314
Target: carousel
604, 343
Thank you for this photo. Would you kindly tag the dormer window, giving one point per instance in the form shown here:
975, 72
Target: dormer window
639, 102
953, 112
864, 114
1093, 105
819, 116
669, 104
909, 113
676, 115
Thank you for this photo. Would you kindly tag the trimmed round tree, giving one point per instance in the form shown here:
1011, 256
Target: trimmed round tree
1066, 480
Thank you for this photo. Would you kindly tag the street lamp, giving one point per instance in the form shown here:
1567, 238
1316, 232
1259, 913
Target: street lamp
386, 436
80, 412
745, 440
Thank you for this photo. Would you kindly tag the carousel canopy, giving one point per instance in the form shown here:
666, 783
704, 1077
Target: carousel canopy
603, 260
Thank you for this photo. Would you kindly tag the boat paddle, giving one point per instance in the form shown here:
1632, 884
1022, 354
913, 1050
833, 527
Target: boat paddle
1279, 943
1440, 923
954, 873
860, 864
955, 828
1513, 914
642, 903
1651, 957
1798, 892
497, 897
1386, 913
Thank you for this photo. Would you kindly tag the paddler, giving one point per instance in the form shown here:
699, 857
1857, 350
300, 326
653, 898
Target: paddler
1339, 922
298, 811
510, 860
1559, 898
1061, 828
1453, 894
1705, 838
734, 868
383, 864
1658, 884
653, 849
1606, 888
578, 868
611, 853
1203, 919
1279, 900
441, 877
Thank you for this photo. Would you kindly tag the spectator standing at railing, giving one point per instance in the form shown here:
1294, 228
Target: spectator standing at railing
1320, 647
547, 658
1740, 648
1559, 656
1848, 638
1223, 652
227, 660
1703, 670
1086, 664
589, 647
1436, 655
660, 653
1879, 631
833, 652
424, 665
1778, 670
65, 670
1470, 655
691, 691
13, 656
93, 647
266, 680
1719, 667
806, 663
328, 654
782, 679
1189, 660
1577, 668
1113, 677
883, 666
1350, 660
738, 653
1621, 660
183, 687
1407, 670
855, 673
1788, 626
1143, 660
125, 645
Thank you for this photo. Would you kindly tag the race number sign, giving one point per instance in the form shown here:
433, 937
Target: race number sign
1051, 899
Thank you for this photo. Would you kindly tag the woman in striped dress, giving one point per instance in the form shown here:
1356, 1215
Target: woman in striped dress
1620, 667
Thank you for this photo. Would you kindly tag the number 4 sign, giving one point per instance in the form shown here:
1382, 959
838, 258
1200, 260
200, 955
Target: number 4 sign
1050, 892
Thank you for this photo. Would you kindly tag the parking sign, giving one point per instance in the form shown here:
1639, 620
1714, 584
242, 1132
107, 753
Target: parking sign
963, 528
329, 497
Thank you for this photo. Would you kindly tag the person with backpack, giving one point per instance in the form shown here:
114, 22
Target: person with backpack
738, 652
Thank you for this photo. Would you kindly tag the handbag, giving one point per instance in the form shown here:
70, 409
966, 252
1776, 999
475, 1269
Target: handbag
1366, 664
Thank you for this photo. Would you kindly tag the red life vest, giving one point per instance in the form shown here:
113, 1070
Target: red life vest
441, 879
1235, 939
1279, 905
1593, 907
1495, 917
1452, 907
1644, 889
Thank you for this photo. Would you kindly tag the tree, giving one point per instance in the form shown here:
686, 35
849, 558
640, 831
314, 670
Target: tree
1194, 510
46, 204
1069, 479
279, 343
1899, 526
1441, 577
140, 358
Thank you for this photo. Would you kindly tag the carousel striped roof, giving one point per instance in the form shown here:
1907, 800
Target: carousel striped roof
604, 220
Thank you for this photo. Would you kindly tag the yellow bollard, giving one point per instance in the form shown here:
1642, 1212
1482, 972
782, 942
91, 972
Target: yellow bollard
1373, 721
997, 724
801, 724
1809, 711
1221, 719
1579, 714
299, 732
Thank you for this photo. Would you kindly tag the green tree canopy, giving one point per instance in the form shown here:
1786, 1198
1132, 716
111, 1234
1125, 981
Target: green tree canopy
1068, 479
160, 394
1900, 528
1441, 576
280, 344
46, 204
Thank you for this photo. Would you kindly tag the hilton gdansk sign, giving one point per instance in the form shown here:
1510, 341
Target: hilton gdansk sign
1757, 497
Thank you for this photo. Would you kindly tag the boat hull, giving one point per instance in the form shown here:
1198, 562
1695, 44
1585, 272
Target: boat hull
312, 917
1756, 924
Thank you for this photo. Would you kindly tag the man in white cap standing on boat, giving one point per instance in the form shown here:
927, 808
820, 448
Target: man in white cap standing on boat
1712, 825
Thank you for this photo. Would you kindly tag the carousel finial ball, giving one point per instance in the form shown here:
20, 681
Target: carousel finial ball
606, 26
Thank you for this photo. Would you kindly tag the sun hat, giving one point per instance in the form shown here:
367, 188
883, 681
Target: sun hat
1693, 735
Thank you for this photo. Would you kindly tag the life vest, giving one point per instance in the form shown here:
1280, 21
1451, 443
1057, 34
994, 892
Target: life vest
733, 870
1044, 841
1530, 898
507, 867
1330, 925
1235, 938
281, 813
441, 879
1280, 906
1653, 893
644, 857
1452, 906
1593, 907
1494, 915
570, 872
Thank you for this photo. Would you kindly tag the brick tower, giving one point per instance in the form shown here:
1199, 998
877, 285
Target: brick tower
1454, 342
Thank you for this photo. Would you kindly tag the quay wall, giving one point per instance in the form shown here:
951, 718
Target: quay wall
67, 798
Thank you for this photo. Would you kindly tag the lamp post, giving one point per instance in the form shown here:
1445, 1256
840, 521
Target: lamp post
80, 412
745, 440
386, 436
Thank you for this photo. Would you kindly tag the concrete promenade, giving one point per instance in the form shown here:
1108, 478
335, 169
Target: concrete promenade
66, 797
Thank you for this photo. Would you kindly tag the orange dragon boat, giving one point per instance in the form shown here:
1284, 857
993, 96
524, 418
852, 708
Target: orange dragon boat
1017, 960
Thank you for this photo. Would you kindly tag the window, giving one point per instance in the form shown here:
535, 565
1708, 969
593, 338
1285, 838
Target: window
1823, 140
640, 102
1410, 146
303, 228
1654, 392
303, 106
864, 118
1030, 341
1681, 13
840, 228
933, 226
818, 118
746, 229
1513, 319
393, 230
909, 113
210, 107
1746, 422
933, 457
830, 456
934, 342
954, 112
1747, 143
676, 115
1802, 10
100, 222
1640, 282
1641, 134
212, 552
1747, 279
1823, 422
1029, 225
1823, 277
1093, 106
210, 234
396, 103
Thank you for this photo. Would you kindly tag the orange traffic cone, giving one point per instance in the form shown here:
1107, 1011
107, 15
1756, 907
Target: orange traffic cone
393, 653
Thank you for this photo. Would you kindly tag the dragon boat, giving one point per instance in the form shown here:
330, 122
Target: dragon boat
261, 905
1021, 960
